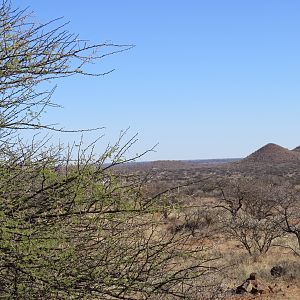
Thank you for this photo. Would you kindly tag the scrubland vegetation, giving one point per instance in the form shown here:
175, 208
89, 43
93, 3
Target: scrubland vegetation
245, 218
77, 225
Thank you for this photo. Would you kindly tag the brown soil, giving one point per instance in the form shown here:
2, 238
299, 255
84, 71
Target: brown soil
286, 292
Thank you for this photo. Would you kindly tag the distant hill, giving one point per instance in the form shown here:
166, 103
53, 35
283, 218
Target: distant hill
297, 149
272, 153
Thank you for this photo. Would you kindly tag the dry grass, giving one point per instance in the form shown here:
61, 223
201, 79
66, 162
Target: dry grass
236, 264
240, 265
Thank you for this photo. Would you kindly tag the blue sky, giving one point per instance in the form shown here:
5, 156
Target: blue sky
207, 79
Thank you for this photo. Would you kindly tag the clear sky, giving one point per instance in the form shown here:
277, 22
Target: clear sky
207, 79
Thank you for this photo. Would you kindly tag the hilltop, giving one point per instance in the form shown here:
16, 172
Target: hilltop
297, 149
272, 153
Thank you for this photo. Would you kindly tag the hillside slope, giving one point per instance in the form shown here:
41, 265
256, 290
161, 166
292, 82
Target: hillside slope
272, 153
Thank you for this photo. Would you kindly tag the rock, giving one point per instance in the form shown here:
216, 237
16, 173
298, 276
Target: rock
252, 286
277, 271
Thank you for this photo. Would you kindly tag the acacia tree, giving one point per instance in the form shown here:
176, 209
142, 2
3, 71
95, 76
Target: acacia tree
31, 54
250, 215
288, 207
75, 228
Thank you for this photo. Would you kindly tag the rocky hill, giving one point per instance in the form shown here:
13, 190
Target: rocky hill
297, 149
272, 153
